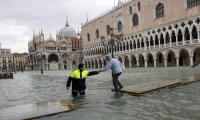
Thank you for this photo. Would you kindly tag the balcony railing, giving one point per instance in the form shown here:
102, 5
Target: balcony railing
181, 43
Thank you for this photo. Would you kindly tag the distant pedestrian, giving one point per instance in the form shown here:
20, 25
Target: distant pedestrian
115, 66
78, 77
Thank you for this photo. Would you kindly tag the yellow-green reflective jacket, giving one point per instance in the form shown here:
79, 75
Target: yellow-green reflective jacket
78, 78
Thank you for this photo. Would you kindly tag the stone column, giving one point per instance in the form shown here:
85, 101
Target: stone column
191, 61
165, 62
159, 42
170, 39
177, 62
130, 64
198, 32
145, 62
138, 63
145, 45
190, 37
154, 62
154, 43
149, 45
136, 46
98, 65
183, 35
165, 41
176, 39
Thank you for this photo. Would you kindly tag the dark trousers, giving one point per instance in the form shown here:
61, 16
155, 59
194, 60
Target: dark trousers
76, 93
116, 82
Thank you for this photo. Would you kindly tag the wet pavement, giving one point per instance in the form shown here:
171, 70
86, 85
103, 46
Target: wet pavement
179, 103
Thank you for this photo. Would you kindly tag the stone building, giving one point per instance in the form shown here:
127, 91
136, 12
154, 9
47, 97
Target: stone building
19, 61
151, 33
6, 61
64, 52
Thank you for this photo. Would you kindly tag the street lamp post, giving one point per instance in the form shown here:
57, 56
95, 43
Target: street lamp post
41, 65
110, 42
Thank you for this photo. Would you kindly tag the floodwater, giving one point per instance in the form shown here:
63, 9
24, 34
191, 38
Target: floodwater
100, 103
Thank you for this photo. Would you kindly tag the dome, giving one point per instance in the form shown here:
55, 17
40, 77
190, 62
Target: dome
67, 32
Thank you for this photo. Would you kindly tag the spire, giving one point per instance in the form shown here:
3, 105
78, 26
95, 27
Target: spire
33, 32
78, 32
87, 16
57, 32
41, 31
66, 22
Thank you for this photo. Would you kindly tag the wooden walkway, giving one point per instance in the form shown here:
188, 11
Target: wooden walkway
142, 88
33, 111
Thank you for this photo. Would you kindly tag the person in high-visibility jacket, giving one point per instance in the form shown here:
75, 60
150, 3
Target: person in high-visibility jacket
78, 77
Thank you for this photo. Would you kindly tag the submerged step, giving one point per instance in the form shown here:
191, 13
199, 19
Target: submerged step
37, 110
142, 88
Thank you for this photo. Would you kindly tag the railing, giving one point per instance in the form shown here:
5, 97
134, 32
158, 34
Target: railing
162, 46
173, 44
168, 45
180, 43
157, 46
187, 42
195, 41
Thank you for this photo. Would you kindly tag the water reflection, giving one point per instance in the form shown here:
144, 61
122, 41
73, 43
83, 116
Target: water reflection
180, 103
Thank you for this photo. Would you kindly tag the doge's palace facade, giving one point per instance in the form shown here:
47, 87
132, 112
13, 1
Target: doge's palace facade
154, 33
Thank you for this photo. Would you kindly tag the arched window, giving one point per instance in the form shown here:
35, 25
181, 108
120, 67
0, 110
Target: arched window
192, 3
108, 29
97, 33
88, 37
119, 26
138, 6
135, 19
130, 9
159, 10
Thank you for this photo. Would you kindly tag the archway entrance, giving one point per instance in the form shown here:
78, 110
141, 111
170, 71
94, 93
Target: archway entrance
53, 62
184, 59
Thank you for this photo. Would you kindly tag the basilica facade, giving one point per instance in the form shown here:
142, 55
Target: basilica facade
149, 33
64, 52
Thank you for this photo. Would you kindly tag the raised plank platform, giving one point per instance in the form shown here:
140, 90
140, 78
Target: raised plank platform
32, 111
142, 88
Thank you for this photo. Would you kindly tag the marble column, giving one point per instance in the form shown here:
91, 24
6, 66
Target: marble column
198, 33
177, 62
170, 38
155, 62
145, 61
165, 62
138, 63
191, 61
190, 37
130, 65
183, 35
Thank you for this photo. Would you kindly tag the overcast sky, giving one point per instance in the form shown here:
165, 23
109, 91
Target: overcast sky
18, 18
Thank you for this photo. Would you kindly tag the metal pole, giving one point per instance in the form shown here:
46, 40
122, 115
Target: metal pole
41, 66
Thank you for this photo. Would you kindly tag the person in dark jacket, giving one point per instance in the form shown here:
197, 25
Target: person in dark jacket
78, 77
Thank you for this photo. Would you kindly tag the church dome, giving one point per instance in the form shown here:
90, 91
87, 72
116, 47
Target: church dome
67, 31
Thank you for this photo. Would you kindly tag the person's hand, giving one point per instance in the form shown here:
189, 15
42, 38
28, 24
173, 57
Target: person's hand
68, 88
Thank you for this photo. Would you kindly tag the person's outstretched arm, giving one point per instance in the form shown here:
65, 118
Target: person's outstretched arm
108, 66
93, 73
